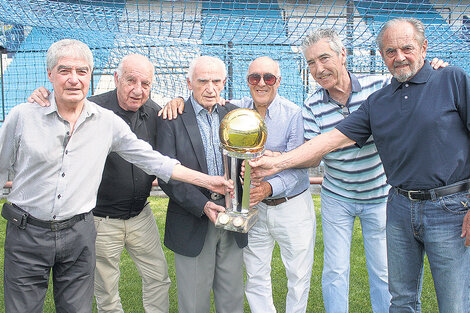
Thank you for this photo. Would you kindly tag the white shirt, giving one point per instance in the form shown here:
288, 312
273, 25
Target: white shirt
56, 178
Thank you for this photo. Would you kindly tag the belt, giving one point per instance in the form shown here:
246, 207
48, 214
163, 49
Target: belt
56, 225
52, 225
438, 192
274, 202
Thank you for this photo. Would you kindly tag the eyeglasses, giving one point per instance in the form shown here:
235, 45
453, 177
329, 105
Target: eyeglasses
269, 79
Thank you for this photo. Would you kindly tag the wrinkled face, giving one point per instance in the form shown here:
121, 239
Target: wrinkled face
262, 93
401, 52
207, 82
324, 64
70, 79
135, 83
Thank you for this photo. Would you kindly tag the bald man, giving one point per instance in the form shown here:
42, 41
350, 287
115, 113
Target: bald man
284, 202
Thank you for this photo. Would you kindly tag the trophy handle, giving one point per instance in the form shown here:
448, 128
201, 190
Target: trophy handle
246, 188
228, 200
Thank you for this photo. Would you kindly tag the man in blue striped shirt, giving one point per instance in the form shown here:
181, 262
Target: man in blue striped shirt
354, 181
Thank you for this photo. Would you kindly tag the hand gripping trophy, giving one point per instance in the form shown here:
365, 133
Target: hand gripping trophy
242, 136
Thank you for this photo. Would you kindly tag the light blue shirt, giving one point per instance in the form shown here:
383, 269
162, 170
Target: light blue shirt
285, 132
209, 128
56, 176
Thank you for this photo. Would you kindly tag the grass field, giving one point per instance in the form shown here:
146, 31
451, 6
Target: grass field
359, 300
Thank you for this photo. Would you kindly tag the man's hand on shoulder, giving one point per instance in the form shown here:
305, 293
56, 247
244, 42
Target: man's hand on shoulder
211, 210
172, 109
175, 107
438, 63
40, 96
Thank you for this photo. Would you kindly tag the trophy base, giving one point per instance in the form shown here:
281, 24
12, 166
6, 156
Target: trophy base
236, 221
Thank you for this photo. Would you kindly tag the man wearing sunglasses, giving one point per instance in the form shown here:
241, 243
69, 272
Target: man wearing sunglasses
286, 211
284, 202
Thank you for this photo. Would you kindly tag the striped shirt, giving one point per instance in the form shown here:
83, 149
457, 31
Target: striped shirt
351, 174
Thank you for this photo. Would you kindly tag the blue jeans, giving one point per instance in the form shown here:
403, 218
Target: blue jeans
432, 227
337, 223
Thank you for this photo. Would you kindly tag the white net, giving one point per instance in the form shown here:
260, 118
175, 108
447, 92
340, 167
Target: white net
172, 33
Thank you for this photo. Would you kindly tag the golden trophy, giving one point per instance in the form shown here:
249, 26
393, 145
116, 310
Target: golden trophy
242, 137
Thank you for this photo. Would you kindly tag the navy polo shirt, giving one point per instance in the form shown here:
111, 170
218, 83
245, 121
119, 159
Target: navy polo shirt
420, 127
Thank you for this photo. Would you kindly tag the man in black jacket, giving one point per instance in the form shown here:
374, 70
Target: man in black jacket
123, 217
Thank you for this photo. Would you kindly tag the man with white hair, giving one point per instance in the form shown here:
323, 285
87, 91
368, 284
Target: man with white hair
354, 182
57, 155
123, 217
206, 258
286, 211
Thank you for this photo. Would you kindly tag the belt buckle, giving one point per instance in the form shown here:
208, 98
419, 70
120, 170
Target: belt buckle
54, 225
409, 192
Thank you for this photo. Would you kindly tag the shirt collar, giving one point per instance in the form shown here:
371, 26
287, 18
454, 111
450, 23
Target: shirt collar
355, 87
89, 108
140, 112
273, 108
198, 108
420, 78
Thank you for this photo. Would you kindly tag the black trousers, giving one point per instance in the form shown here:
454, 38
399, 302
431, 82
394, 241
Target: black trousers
31, 254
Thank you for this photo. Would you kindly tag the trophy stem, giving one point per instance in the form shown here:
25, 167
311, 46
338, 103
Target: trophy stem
246, 187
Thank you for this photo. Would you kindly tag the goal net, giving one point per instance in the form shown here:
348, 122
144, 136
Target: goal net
172, 33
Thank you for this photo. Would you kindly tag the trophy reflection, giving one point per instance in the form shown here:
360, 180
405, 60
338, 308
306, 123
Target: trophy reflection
242, 137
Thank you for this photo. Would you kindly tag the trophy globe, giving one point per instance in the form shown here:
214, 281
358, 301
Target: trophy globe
242, 135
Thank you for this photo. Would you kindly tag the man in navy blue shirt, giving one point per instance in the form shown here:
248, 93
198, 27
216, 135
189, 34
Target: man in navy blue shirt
420, 124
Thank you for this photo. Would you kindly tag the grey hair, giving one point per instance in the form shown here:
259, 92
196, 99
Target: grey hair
323, 33
206, 58
120, 67
417, 25
68, 48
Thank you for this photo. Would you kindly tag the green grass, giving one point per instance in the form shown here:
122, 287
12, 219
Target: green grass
359, 301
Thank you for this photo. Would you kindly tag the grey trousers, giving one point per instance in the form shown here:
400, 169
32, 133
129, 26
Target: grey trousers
31, 253
219, 267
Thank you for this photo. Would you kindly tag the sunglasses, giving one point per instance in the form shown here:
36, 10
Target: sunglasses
269, 79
